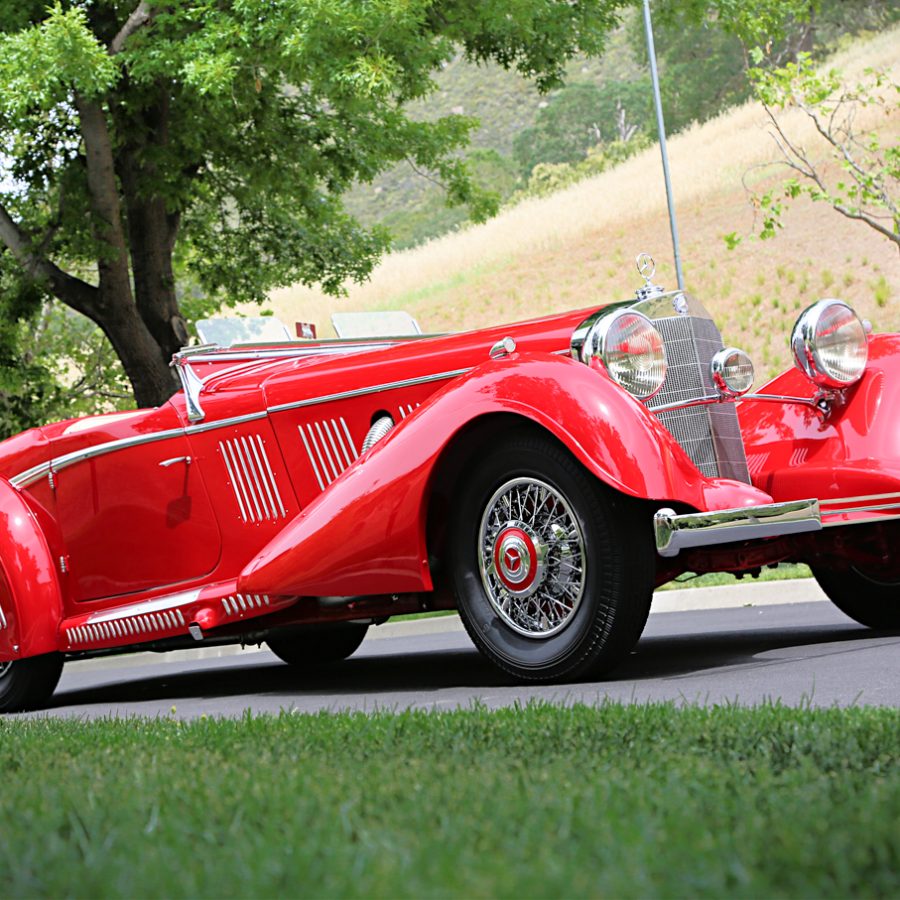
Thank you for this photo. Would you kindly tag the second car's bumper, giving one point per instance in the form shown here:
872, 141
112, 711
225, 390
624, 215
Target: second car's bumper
675, 533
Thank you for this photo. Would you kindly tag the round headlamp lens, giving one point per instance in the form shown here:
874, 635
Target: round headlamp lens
634, 354
829, 344
732, 372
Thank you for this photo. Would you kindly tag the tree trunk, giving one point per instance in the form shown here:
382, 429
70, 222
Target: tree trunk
115, 310
151, 238
152, 381
151, 233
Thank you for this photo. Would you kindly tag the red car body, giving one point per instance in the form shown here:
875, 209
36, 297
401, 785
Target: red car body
246, 506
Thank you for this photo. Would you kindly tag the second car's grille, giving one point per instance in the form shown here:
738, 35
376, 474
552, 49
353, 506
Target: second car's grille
710, 435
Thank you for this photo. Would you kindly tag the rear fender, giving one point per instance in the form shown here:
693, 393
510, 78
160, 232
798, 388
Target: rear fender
29, 589
366, 533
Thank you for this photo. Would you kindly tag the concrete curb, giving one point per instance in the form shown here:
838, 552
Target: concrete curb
765, 593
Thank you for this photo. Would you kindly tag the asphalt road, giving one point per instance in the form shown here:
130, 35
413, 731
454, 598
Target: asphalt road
798, 653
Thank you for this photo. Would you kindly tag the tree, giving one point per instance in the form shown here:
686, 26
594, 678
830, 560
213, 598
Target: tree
580, 117
215, 138
846, 167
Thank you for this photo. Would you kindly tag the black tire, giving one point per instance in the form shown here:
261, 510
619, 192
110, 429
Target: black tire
318, 645
549, 635
29, 683
868, 599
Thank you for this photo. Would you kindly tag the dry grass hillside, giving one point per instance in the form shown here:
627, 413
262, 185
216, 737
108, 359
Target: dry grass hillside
576, 248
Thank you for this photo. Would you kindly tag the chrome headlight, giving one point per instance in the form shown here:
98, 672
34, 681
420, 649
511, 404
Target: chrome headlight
829, 344
732, 372
631, 350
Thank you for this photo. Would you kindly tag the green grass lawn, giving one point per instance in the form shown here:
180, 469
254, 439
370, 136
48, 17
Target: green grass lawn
780, 572
615, 801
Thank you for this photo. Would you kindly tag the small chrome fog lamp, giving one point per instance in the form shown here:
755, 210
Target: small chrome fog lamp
829, 344
732, 372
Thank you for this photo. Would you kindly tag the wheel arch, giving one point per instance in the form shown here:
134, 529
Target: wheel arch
449, 471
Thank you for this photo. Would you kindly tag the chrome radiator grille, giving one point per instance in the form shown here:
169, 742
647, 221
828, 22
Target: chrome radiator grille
710, 435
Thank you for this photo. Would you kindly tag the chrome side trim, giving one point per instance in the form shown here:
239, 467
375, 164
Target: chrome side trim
407, 410
259, 452
238, 603
374, 389
328, 453
876, 521
3, 622
675, 533
252, 479
160, 604
867, 497
126, 627
225, 423
36, 473
30, 476
853, 509
312, 461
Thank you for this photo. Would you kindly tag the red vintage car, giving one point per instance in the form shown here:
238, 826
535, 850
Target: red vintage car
542, 478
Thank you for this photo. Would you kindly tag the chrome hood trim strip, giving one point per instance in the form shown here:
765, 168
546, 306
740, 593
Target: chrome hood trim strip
374, 389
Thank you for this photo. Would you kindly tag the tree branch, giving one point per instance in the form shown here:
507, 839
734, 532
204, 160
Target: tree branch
141, 16
78, 294
869, 220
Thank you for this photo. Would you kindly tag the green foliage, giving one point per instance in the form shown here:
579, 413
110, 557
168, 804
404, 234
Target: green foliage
752, 22
546, 178
54, 364
581, 117
606, 801
702, 66
426, 214
27, 389
703, 52
235, 128
868, 186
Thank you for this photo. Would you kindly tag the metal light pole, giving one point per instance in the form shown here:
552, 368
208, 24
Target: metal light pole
654, 75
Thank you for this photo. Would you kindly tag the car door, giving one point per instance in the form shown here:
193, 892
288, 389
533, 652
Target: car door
135, 517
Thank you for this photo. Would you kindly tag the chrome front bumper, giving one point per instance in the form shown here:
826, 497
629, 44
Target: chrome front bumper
675, 533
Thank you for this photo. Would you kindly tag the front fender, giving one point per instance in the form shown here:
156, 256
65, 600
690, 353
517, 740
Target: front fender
366, 533
793, 452
30, 596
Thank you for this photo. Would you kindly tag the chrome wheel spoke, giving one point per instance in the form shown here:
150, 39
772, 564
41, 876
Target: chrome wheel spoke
532, 557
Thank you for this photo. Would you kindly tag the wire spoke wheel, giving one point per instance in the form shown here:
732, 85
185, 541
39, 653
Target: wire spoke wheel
552, 570
533, 563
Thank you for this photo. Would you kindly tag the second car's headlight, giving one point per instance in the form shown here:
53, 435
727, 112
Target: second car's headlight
829, 344
631, 350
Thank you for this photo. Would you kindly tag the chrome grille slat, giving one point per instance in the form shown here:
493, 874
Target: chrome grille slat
710, 435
